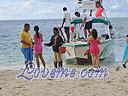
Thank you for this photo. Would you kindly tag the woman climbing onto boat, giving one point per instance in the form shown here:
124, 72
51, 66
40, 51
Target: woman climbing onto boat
94, 49
125, 57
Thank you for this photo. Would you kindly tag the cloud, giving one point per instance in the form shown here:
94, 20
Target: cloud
27, 4
115, 6
52, 9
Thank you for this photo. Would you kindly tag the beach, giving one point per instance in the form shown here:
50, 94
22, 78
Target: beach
11, 59
115, 85
80, 43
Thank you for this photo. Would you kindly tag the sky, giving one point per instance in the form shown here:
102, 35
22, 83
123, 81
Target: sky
52, 9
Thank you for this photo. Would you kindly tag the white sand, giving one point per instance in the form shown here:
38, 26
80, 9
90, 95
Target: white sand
115, 85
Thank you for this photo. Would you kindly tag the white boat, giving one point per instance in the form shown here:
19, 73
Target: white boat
75, 50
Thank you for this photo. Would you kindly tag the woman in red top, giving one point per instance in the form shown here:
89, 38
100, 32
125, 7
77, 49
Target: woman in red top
99, 10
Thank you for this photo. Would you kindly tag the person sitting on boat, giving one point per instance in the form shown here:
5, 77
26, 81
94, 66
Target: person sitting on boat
56, 42
77, 26
125, 57
72, 33
99, 10
87, 23
66, 23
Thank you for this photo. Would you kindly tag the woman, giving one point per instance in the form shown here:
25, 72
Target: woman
38, 46
99, 10
94, 41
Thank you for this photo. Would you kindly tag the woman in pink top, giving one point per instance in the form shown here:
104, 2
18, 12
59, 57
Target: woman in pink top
94, 48
38, 46
99, 10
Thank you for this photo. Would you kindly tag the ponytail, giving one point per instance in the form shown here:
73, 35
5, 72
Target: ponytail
37, 34
36, 29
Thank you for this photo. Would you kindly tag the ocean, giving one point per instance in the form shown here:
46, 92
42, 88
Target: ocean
10, 52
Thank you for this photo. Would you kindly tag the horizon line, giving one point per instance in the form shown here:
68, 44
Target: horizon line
45, 19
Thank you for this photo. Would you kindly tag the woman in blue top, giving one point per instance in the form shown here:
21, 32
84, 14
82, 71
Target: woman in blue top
125, 57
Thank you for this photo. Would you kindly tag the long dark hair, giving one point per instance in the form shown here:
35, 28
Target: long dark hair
98, 2
94, 33
36, 29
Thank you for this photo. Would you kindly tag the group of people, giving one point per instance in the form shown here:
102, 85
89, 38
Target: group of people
72, 31
29, 45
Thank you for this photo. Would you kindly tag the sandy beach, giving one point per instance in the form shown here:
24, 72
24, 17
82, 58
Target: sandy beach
115, 85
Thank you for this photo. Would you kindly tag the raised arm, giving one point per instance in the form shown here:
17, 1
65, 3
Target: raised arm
84, 21
98, 39
50, 43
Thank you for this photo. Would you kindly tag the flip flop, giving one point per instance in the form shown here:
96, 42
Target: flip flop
124, 65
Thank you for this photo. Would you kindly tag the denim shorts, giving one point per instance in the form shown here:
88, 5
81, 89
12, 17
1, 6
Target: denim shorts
28, 54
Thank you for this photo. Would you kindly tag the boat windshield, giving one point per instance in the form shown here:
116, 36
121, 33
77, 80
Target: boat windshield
101, 28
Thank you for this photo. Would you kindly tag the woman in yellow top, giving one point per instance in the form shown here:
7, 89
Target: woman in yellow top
26, 44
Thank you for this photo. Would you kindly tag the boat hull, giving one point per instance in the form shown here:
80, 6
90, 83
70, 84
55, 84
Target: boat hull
75, 52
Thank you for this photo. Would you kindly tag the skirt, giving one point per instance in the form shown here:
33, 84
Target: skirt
37, 49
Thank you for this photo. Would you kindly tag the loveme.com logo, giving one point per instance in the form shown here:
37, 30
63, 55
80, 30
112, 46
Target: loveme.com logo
30, 74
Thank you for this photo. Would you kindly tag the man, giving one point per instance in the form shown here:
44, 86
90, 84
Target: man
77, 26
66, 23
26, 44
87, 23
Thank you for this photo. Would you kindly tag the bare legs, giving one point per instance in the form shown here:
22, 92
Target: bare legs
58, 64
95, 61
58, 60
37, 60
39, 56
42, 59
85, 32
67, 33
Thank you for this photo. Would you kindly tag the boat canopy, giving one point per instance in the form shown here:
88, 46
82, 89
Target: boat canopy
95, 20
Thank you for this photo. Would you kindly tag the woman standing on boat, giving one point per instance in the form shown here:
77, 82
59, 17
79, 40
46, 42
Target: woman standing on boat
99, 10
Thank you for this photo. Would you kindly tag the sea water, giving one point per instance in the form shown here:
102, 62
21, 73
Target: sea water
10, 51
